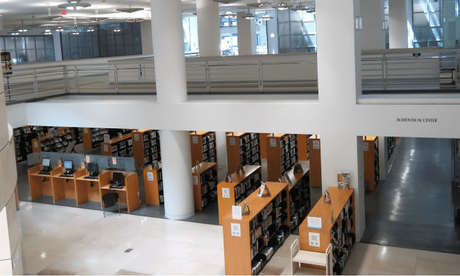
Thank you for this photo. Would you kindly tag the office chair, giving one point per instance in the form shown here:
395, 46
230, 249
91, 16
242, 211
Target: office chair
109, 199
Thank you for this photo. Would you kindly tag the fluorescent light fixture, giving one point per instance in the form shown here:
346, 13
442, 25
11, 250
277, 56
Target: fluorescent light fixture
130, 9
248, 15
59, 29
300, 8
258, 4
266, 17
282, 6
229, 14
74, 5
23, 29
14, 33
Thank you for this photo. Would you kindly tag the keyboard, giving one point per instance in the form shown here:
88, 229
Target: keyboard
116, 187
90, 177
44, 172
66, 175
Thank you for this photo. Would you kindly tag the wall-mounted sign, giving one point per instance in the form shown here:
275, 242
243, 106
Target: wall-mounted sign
417, 120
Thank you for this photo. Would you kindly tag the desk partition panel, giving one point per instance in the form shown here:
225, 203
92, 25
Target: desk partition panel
77, 159
33, 159
54, 156
122, 163
102, 161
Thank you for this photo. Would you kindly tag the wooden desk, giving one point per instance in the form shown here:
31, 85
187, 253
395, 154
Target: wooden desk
90, 189
129, 194
41, 184
64, 187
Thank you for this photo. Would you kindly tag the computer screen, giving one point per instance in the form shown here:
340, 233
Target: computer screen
93, 168
118, 178
68, 164
46, 162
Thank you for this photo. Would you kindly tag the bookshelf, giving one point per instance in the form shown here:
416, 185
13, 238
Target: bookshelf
263, 145
77, 134
153, 183
118, 146
249, 243
57, 142
314, 144
337, 227
93, 137
242, 149
281, 154
23, 140
203, 146
146, 146
371, 162
204, 184
302, 146
299, 193
242, 185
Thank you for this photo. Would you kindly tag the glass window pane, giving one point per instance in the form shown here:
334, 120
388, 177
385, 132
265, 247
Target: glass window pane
120, 50
96, 52
111, 51
41, 55
49, 54
89, 52
119, 39
21, 56
2, 40
110, 39
65, 40
136, 28
73, 41
88, 40
66, 54
296, 16
49, 42
81, 40
137, 49
420, 19
9, 43
129, 50
128, 39
137, 38
20, 43
74, 53
296, 28
283, 28
283, 16
285, 41
30, 42
103, 52
82, 52
40, 42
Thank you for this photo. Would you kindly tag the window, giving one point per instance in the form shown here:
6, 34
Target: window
25, 49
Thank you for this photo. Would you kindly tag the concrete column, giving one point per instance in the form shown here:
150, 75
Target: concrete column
208, 28
399, 20
372, 35
341, 150
168, 43
10, 251
247, 44
147, 39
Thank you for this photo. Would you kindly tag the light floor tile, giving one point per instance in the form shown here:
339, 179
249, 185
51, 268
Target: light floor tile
438, 256
201, 253
437, 267
63, 267
146, 264
391, 260
92, 269
361, 259
38, 263
182, 267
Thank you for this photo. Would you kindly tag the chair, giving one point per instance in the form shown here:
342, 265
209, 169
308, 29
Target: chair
310, 257
109, 199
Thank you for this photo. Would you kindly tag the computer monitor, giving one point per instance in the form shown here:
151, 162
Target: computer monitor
46, 163
93, 169
118, 178
68, 166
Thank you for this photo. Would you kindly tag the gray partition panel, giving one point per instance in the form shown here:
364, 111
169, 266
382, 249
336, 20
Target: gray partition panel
33, 159
122, 163
54, 156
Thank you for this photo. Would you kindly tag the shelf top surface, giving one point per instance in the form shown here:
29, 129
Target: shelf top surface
204, 166
369, 138
276, 135
151, 168
238, 178
256, 203
142, 130
296, 177
236, 134
339, 198
117, 139
315, 136
200, 132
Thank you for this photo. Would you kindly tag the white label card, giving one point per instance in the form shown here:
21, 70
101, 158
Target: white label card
365, 146
136, 137
150, 176
106, 138
195, 180
273, 143
86, 130
195, 139
314, 223
232, 141
313, 239
237, 212
315, 144
236, 229
87, 159
106, 148
225, 193
36, 144
114, 160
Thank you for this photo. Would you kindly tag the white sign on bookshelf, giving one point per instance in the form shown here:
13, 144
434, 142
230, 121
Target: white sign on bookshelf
232, 141
315, 144
150, 176
225, 193
313, 239
237, 212
365, 146
236, 229
314, 222
195, 180
195, 139
273, 143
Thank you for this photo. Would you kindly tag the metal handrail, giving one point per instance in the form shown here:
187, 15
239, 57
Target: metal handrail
383, 71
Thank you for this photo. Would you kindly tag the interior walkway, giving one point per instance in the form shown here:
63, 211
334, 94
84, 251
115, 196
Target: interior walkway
65, 240
413, 207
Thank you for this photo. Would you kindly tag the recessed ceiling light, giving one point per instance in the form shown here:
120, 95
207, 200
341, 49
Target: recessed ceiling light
130, 9
74, 5
266, 17
258, 4
229, 14
282, 6
300, 8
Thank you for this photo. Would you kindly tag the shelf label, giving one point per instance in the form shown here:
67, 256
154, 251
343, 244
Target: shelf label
315, 144
314, 223
136, 137
106, 148
236, 229
195, 180
225, 193
195, 139
237, 212
150, 176
86, 130
365, 146
106, 138
232, 141
36, 144
88, 159
313, 239
114, 160
273, 143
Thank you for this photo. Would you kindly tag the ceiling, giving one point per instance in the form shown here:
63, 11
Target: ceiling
34, 14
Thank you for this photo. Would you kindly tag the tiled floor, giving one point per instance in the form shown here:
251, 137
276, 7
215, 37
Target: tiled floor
66, 240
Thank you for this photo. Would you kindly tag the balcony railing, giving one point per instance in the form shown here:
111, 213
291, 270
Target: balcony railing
383, 71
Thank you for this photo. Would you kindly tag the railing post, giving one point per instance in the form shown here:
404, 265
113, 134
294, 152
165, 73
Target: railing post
208, 78
261, 76
457, 84
77, 80
116, 79
66, 79
384, 72
35, 84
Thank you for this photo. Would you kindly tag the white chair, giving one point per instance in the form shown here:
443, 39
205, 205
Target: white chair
313, 258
